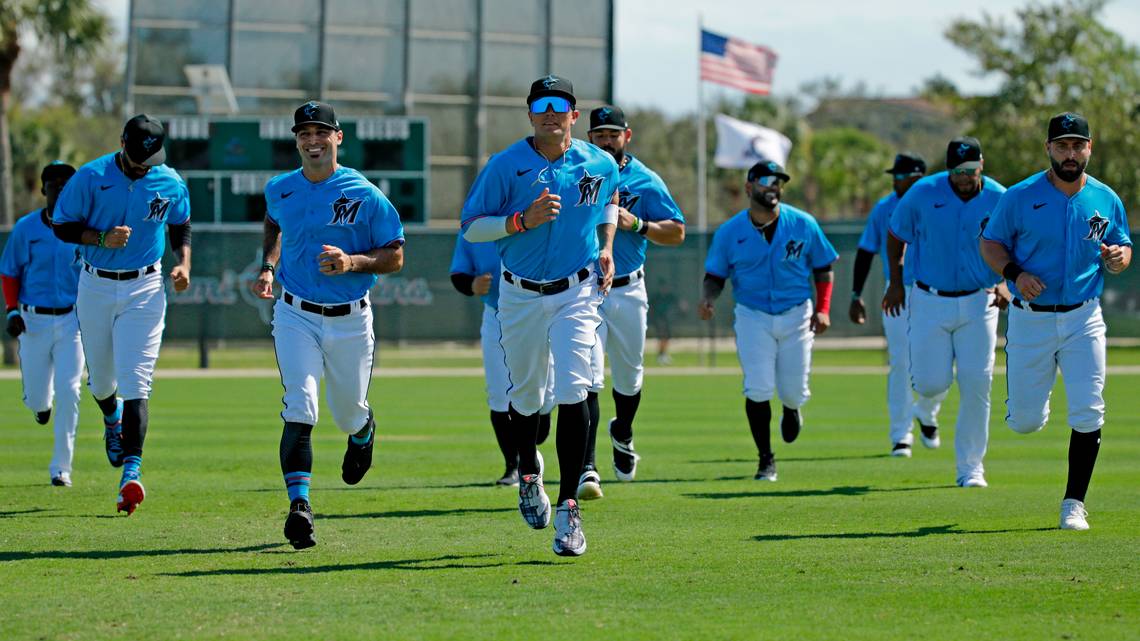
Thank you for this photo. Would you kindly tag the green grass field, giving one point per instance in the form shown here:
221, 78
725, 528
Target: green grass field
849, 544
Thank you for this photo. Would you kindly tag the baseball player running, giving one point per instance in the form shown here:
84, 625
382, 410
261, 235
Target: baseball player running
40, 275
328, 233
475, 269
903, 409
953, 312
773, 253
117, 207
646, 212
547, 200
1053, 236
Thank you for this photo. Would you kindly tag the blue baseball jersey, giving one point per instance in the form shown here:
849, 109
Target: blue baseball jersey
476, 259
1057, 238
874, 238
344, 210
585, 177
945, 229
101, 197
770, 277
47, 267
644, 194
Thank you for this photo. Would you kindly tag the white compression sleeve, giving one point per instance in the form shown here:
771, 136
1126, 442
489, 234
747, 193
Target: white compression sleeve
485, 229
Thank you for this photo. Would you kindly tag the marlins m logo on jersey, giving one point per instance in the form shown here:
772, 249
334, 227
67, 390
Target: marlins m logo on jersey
627, 199
345, 210
158, 207
1098, 227
793, 250
588, 188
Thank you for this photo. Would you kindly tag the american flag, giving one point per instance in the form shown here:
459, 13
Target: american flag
736, 63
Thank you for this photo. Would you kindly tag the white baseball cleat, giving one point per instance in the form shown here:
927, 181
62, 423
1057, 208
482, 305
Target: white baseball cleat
1073, 515
930, 436
589, 485
625, 457
533, 502
901, 449
973, 480
569, 540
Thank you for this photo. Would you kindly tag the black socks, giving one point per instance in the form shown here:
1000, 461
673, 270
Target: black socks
573, 423
135, 419
1083, 449
759, 420
625, 408
592, 430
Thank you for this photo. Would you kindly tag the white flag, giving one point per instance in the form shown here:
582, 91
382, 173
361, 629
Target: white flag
739, 144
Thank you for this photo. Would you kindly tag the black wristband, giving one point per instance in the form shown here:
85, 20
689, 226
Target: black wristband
268, 267
644, 228
1011, 271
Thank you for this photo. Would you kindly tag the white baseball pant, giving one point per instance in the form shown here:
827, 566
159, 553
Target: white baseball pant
902, 403
495, 372
775, 353
948, 334
121, 323
622, 335
51, 367
1037, 343
339, 349
535, 328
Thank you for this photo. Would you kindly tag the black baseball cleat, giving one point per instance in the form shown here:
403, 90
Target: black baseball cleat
43, 417
790, 425
299, 525
766, 470
930, 438
358, 458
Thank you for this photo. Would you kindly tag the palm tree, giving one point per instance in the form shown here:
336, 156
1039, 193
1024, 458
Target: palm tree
72, 28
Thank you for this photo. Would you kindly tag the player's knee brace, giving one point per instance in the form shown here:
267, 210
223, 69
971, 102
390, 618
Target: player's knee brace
296, 447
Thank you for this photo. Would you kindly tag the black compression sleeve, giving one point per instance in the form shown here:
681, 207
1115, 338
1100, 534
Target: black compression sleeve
69, 232
462, 283
179, 236
716, 279
863, 259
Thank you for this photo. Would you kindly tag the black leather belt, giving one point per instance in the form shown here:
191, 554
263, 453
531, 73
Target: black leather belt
1034, 307
549, 287
112, 275
343, 309
942, 292
622, 281
48, 311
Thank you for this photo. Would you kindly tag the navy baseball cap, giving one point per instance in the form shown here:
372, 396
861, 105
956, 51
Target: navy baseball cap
964, 153
608, 117
908, 163
315, 113
143, 137
1068, 125
551, 85
767, 168
57, 169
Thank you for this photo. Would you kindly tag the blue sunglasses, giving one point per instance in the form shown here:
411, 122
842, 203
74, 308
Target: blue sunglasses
543, 105
768, 181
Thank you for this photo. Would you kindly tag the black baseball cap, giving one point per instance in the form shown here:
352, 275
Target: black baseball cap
767, 168
143, 137
551, 85
608, 117
964, 153
56, 169
1068, 125
315, 113
908, 163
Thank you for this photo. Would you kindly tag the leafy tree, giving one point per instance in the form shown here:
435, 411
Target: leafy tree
1054, 58
72, 28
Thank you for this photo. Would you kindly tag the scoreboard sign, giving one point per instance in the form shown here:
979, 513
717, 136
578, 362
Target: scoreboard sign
226, 162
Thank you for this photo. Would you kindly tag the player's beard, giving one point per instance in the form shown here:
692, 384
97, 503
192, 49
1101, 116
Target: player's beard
1068, 175
766, 199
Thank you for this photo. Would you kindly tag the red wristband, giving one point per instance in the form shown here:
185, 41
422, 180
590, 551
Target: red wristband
823, 296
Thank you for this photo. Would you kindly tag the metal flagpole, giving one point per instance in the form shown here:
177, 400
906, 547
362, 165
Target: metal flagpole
702, 183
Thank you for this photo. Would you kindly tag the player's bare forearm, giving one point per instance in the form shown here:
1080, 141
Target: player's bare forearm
382, 260
669, 233
994, 253
606, 236
271, 242
896, 253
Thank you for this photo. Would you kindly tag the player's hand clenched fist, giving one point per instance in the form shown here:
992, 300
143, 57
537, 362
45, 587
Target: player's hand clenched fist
1029, 286
481, 285
857, 312
1113, 257
820, 321
334, 261
705, 309
625, 219
15, 325
180, 276
263, 286
544, 209
117, 237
